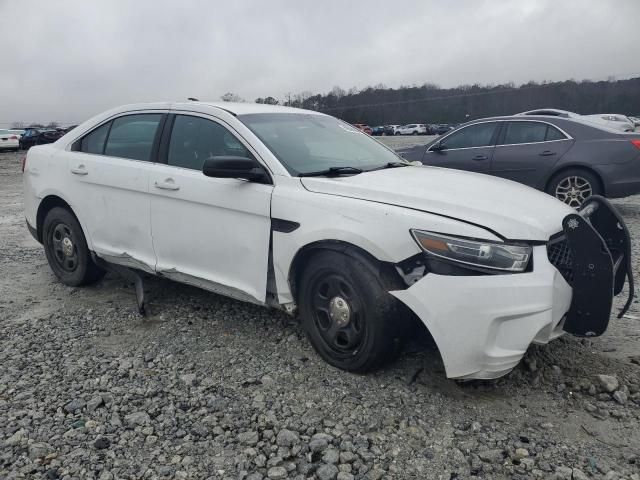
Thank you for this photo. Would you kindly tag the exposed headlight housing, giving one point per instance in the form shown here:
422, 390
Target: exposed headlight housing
477, 253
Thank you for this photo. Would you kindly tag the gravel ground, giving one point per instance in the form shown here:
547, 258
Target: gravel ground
207, 387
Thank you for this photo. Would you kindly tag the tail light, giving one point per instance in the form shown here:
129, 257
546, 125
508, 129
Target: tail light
13, 137
636, 143
24, 163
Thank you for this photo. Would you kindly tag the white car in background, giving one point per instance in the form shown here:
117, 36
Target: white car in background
300, 211
413, 129
9, 140
612, 121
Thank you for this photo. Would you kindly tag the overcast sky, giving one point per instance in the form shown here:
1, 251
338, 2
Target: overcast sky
68, 60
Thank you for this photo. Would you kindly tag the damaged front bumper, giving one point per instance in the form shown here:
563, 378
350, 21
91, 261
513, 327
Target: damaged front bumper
596, 264
483, 324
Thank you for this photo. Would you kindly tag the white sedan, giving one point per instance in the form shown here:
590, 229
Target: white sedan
300, 211
9, 140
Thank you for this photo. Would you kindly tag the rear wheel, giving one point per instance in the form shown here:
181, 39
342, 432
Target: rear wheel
350, 318
574, 186
66, 249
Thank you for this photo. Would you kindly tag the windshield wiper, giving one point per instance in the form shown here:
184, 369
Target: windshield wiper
391, 165
333, 172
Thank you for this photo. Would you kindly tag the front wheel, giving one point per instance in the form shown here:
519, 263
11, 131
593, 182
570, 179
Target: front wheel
350, 318
66, 249
574, 186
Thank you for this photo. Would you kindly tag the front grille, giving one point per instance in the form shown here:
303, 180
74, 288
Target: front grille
559, 255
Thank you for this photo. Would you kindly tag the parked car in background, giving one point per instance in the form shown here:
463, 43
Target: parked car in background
295, 210
413, 129
440, 129
363, 128
567, 158
377, 131
615, 122
9, 140
391, 129
38, 136
18, 131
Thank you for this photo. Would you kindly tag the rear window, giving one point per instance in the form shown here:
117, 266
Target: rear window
132, 136
530, 132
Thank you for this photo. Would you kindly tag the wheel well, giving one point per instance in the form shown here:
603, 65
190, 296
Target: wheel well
576, 167
45, 206
413, 327
385, 269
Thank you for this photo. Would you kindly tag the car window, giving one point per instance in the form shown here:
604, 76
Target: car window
195, 139
524, 132
554, 134
478, 135
132, 136
94, 142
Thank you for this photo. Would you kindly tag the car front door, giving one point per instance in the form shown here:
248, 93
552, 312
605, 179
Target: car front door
109, 182
210, 232
528, 150
470, 148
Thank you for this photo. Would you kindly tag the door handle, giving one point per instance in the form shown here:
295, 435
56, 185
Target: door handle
546, 153
167, 185
480, 157
80, 170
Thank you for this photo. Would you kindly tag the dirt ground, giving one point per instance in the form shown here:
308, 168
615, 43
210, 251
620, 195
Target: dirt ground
207, 387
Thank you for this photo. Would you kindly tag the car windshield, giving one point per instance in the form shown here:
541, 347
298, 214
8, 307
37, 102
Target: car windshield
306, 143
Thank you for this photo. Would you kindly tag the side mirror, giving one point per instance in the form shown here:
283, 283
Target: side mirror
235, 167
438, 147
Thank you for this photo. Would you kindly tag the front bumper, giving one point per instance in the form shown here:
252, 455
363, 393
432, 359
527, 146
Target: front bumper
484, 324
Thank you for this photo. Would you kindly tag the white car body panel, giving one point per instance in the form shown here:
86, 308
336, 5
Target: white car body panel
217, 233
500, 316
508, 208
212, 229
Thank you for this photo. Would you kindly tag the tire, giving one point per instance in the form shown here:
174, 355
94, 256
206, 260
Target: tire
414, 133
574, 186
369, 334
66, 249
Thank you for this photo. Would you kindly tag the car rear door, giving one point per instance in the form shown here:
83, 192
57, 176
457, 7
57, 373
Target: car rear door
469, 148
210, 232
109, 186
527, 150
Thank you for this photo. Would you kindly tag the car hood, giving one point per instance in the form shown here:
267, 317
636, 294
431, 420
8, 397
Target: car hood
510, 209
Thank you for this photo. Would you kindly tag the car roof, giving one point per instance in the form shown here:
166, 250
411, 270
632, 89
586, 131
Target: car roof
235, 108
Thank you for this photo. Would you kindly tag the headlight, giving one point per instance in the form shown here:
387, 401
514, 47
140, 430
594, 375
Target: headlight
483, 254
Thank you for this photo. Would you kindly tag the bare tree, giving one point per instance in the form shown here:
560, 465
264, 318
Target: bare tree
17, 125
53, 125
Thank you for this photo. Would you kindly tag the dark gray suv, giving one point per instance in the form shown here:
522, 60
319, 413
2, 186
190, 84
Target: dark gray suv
564, 157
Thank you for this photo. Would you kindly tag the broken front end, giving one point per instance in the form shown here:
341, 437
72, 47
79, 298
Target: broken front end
593, 254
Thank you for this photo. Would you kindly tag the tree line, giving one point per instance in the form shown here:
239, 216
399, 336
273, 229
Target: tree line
428, 103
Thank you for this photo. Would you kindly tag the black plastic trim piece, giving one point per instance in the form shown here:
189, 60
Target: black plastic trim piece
283, 226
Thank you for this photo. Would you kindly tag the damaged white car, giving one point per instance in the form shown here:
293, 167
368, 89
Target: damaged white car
298, 210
